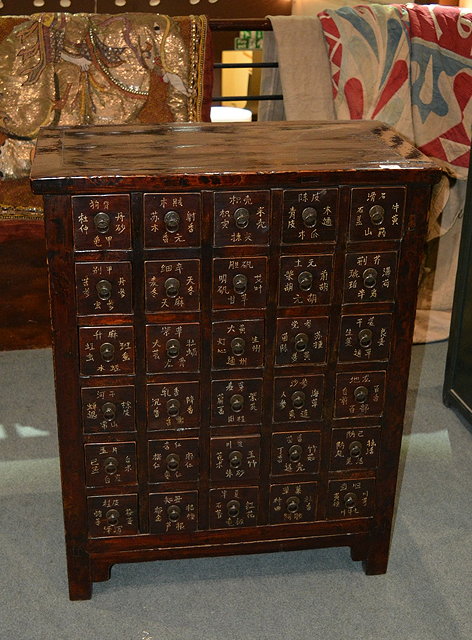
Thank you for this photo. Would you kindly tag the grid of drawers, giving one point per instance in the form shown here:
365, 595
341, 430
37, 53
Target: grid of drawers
226, 380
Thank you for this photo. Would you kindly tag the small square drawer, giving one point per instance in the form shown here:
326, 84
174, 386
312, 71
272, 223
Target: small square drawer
294, 502
370, 277
173, 460
236, 402
103, 287
298, 399
355, 448
295, 452
172, 220
173, 512
172, 347
110, 516
172, 285
106, 351
359, 394
239, 283
310, 216
241, 218
365, 337
305, 280
110, 464
238, 344
377, 213
108, 409
235, 458
173, 405
350, 498
233, 507
101, 222
301, 341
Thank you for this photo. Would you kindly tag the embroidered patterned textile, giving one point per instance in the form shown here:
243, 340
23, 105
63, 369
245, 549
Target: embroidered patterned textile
409, 66
73, 69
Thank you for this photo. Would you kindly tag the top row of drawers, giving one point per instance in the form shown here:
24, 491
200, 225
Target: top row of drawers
241, 218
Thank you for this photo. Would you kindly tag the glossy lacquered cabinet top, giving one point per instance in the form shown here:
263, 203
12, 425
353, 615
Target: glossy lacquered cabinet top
207, 154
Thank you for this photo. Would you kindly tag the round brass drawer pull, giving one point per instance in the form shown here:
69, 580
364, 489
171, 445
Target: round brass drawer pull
376, 214
102, 222
295, 453
305, 280
112, 516
301, 342
361, 393
173, 461
104, 288
350, 500
355, 449
172, 348
107, 351
172, 286
370, 278
233, 508
298, 399
111, 466
174, 512
237, 402
241, 218
109, 410
365, 338
172, 221
235, 459
240, 283
173, 407
309, 217
238, 346
293, 504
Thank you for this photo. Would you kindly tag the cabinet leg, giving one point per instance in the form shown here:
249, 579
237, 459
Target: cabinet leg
80, 580
376, 560
358, 551
101, 570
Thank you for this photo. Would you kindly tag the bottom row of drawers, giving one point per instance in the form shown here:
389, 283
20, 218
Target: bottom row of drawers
229, 507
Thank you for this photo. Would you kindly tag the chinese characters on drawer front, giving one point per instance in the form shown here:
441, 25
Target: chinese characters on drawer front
350, 498
292, 502
172, 285
103, 287
241, 218
110, 464
106, 350
108, 409
355, 448
101, 222
295, 452
173, 512
298, 399
239, 283
370, 277
359, 394
301, 341
173, 460
305, 280
172, 347
236, 402
173, 405
309, 216
231, 508
172, 220
238, 344
112, 515
377, 213
365, 337
235, 458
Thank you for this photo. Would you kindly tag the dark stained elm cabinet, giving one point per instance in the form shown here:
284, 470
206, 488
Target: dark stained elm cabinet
232, 311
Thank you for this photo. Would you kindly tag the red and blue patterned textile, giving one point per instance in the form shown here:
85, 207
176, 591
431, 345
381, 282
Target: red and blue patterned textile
409, 66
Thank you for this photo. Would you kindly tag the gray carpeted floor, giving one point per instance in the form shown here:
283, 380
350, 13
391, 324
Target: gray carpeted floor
299, 595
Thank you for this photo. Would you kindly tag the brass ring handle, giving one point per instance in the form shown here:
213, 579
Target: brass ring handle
172, 221
107, 351
172, 348
361, 393
355, 449
298, 399
365, 338
305, 280
370, 278
109, 410
233, 508
110, 465
173, 407
376, 214
174, 512
238, 346
240, 283
235, 459
104, 288
293, 504
112, 516
301, 342
309, 217
172, 286
173, 461
237, 402
295, 453
102, 222
350, 500
241, 218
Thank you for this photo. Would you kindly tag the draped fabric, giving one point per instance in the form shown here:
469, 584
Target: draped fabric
74, 69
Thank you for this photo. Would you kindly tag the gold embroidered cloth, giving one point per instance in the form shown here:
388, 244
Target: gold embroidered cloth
73, 69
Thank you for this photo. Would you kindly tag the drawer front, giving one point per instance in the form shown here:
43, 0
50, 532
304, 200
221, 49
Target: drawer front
241, 218
108, 409
172, 347
173, 460
236, 402
101, 222
365, 337
232, 508
295, 452
355, 448
110, 464
359, 394
110, 516
173, 512
235, 458
301, 341
172, 220
377, 213
370, 277
294, 502
298, 399
173, 405
238, 344
305, 280
172, 285
103, 287
350, 498
309, 216
106, 351
239, 283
